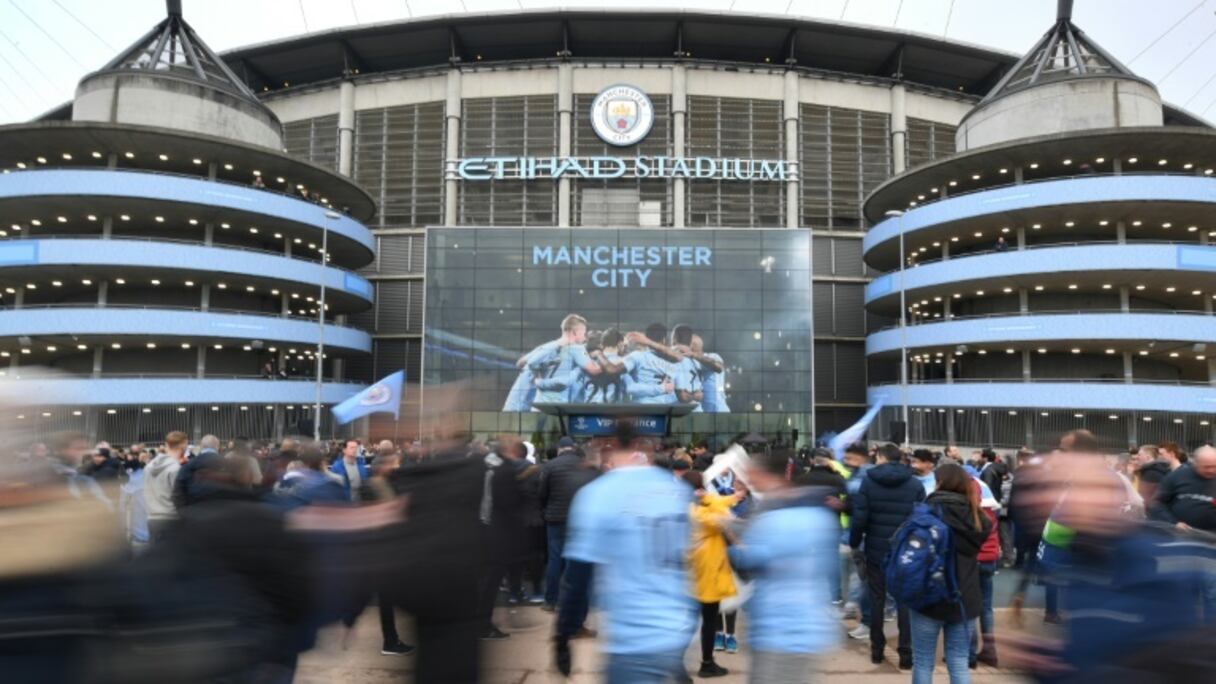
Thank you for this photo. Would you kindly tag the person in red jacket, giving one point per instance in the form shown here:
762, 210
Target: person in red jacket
989, 556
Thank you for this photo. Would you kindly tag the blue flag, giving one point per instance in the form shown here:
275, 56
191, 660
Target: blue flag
854, 432
382, 397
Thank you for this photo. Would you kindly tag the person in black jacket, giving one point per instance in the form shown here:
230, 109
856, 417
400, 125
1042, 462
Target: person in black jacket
883, 502
560, 479
1187, 496
957, 503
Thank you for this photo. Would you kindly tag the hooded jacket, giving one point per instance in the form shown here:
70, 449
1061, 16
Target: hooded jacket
560, 480
882, 503
158, 487
956, 513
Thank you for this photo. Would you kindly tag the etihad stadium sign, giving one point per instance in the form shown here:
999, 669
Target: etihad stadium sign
621, 115
599, 168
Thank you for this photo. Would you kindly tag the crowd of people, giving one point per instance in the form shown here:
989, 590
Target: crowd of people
123, 564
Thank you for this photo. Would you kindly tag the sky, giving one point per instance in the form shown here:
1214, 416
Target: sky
46, 46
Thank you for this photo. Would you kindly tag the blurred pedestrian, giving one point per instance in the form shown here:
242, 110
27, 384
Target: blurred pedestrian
632, 525
788, 547
560, 479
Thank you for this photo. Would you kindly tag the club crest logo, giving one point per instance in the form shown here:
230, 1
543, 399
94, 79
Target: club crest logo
378, 394
580, 423
621, 115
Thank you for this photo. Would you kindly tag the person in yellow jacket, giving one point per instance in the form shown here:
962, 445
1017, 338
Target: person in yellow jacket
712, 579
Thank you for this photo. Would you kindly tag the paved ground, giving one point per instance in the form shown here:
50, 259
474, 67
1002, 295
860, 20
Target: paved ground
525, 657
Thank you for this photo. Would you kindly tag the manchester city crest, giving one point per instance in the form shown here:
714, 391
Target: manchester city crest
621, 115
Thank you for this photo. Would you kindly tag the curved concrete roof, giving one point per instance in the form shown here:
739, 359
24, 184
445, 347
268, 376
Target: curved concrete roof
620, 34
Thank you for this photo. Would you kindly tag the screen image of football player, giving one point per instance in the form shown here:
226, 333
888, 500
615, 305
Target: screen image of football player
554, 369
651, 367
688, 383
712, 372
607, 387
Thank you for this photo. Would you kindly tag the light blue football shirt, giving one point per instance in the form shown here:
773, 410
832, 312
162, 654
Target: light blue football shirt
713, 386
559, 379
632, 523
648, 370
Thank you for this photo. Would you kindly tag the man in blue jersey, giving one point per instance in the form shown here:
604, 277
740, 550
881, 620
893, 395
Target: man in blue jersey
632, 524
651, 367
688, 384
551, 372
608, 387
712, 372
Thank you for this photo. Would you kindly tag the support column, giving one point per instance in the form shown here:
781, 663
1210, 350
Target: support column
1023, 300
1125, 298
201, 364
1212, 370
112, 160
950, 434
286, 305
1019, 175
1021, 237
946, 309
1127, 367
899, 128
213, 170
1121, 232
209, 234
945, 250
1026, 375
107, 227
679, 112
949, 362
565, 133
346, 126
1029, 425
452, 110
103, 293
98, 352
1116, 165
790, 109
204, 301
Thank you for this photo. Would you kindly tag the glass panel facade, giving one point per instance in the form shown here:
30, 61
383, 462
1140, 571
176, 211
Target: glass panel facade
498, 297
929, 141
314, 140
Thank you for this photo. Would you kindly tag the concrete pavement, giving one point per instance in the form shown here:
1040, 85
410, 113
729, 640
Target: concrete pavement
526, 657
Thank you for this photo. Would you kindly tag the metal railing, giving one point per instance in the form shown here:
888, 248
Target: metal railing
179, 174
174, 241
1077, 381
171, 307
1054, 312
929, 199
1048, 245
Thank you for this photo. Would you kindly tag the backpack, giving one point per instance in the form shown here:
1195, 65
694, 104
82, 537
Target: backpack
920, 568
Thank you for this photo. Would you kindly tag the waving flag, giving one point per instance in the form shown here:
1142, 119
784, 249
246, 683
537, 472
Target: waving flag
854, 432
382, 397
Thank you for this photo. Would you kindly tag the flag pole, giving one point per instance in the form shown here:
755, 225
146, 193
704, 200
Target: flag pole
316, 423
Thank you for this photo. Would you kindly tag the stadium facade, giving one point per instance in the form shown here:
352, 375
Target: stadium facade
1058, 271
485, 123
164, 262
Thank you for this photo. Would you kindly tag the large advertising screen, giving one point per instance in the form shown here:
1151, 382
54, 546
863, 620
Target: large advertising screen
716, 320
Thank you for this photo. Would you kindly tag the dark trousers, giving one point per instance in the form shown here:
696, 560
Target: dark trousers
575, 599
532, 565
555, 534
876, 579
709, 629
488, 593
388, 622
